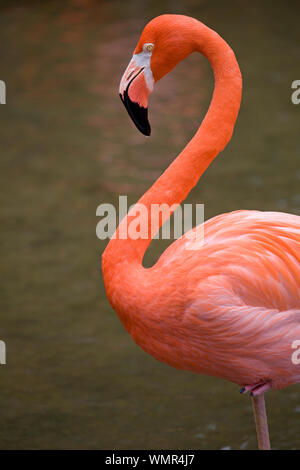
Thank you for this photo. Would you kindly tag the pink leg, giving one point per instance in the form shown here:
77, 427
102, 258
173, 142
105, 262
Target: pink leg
261, 422
258, 401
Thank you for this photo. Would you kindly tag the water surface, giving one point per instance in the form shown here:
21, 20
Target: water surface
74, 378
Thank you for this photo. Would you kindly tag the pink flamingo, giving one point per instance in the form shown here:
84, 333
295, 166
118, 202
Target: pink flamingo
231, 309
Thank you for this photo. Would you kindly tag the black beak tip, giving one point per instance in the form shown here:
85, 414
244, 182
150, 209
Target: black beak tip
138, 114
146, 131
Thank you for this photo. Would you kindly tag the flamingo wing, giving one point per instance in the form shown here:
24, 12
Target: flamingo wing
258, 253
242, 295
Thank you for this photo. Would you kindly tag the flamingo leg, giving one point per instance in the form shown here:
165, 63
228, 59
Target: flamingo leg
259, 409
261, 422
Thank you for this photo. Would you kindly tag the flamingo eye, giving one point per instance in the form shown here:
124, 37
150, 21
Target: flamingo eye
148, 47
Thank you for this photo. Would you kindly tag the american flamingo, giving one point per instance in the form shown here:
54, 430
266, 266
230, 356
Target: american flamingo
231, 309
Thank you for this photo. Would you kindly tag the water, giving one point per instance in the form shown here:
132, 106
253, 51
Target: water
74, 378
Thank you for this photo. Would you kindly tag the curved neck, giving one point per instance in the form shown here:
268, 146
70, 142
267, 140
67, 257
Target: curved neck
210, 139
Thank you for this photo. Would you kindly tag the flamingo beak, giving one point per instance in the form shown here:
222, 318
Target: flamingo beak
134, 92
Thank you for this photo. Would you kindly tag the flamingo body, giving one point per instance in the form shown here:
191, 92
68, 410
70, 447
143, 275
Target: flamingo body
232, 309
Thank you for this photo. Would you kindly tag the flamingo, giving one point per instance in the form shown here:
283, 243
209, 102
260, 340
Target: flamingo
230, 308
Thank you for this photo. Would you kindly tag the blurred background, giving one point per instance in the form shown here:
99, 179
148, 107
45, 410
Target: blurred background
74, 378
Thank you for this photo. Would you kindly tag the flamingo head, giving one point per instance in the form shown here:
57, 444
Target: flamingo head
165, 41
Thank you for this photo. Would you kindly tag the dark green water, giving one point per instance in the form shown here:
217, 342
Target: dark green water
74, 378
